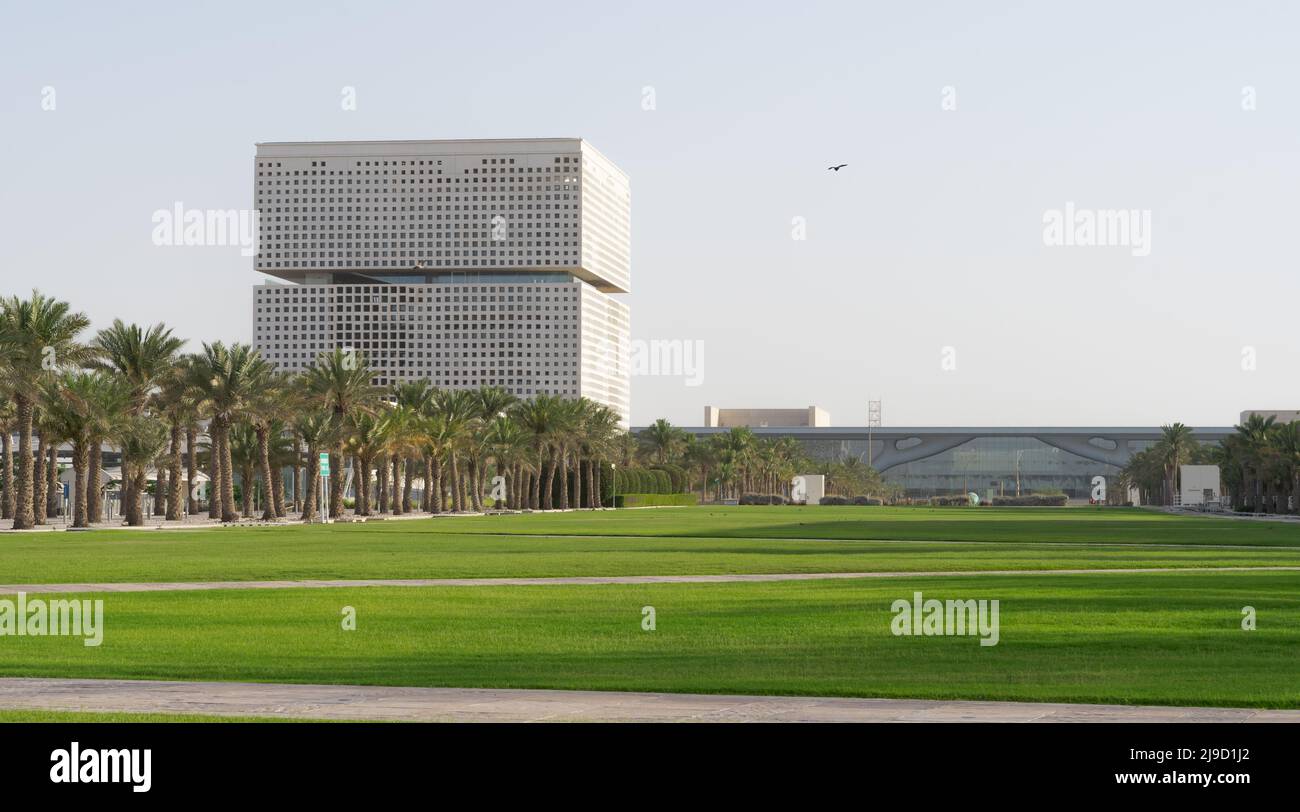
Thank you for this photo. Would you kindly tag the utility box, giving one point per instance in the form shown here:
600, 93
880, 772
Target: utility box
1199, 484
814, 488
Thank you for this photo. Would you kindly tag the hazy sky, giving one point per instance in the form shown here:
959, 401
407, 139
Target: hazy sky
932, 237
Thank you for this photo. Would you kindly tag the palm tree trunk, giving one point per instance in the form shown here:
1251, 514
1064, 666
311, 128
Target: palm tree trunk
426, 501
462, 489
246, 486
364, 465
228, 512
548, 487
137, 496
39, 482
397, 485
215, 464
336, 482
94, 491
174, 483
476, 483
124, 490
457, 492
80, 456
53, 488
309, 503
536, 481
436, 483
191, 464
564, 479
263, 433
10, 498
597, 489
277, 492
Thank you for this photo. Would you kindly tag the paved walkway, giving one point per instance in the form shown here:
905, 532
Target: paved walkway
349, 702
188, 586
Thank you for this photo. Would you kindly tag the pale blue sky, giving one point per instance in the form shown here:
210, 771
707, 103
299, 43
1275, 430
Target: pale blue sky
931, 237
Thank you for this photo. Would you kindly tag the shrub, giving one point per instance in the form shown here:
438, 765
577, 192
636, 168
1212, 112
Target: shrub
865, 500
834, 500
1032, 500
677, 479
960, 500
762, 499
656, 500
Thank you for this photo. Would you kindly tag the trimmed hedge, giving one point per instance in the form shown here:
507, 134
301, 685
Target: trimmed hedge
644, 480
657, 500
1032, 500
678, 480
867, 500
960, 500
762, 499
834, 500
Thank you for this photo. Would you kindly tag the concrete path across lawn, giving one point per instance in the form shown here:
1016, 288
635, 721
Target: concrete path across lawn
352, 702
583, 580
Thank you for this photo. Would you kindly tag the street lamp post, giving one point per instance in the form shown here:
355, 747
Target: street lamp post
613, 474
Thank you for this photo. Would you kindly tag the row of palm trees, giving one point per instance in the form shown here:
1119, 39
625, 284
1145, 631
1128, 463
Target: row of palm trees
226, 410
738, 462
1259, 465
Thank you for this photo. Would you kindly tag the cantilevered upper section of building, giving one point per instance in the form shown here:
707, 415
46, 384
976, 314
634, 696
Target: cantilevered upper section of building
423, 211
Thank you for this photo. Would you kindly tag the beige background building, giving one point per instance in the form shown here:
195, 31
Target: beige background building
761, 418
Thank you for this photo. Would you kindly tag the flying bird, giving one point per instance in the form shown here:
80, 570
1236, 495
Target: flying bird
837, 167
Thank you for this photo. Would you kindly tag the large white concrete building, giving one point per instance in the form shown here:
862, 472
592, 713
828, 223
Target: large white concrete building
486, 262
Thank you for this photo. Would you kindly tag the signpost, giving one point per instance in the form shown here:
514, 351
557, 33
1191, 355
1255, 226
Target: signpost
324, 478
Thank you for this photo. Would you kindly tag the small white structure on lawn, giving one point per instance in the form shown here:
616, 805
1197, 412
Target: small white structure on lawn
1199, 484
808, 489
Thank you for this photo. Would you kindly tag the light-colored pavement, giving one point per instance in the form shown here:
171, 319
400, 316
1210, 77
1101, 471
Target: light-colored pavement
188, 586
349, 702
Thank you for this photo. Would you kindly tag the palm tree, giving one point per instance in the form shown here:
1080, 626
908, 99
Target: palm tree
80, 407
1286, 441
340, 381
435, 436
142, 439
403, 440
413, 399
489, 404
241, 440
366, 439
457, 408
1176, 446
265, 411
702, 456
176, 401
1254, 433
37, 336
315, 430
597, 443
506, 441
227, 381
663, 440
540, 418
144, 358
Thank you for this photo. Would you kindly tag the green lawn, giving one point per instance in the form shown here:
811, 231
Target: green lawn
1170, 638
1080, 524
1160, 639
674, 541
